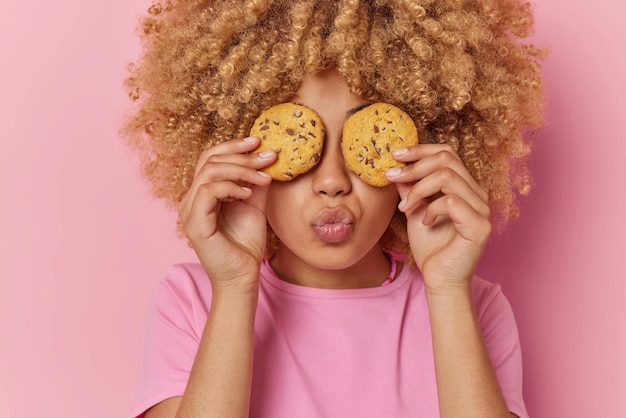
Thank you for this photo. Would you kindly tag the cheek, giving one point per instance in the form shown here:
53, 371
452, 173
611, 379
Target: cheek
383, 203
386, 196
273, 207
282, 205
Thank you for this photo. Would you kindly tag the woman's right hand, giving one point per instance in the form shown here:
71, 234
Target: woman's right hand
223, 213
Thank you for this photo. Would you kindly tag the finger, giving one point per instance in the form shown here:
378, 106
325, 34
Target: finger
444, 181
419, 151
259, 197
256, 160
403, 192
469, 223
230, 171
235, 146
426, 159
223, 172
202, 211
233, 167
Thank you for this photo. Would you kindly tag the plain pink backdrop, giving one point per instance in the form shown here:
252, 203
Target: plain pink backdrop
83, 243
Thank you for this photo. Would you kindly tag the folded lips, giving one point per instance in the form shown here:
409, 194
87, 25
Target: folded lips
333, 216
333, 225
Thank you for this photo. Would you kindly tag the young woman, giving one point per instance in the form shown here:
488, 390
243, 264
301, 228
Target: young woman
324, 296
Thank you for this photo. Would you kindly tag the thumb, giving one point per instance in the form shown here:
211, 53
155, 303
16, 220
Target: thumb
403, 191
259, 197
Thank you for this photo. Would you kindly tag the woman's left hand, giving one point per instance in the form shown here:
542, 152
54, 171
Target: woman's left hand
447, 214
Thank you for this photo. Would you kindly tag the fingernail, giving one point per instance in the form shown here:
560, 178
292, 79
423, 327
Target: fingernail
399, 152
393, 172
266, 154
401, 204
250, 139
263, 174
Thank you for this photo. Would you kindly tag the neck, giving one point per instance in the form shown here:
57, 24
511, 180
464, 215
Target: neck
370, 270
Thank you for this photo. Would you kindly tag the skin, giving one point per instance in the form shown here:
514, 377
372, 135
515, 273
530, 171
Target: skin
225, 215
292, 206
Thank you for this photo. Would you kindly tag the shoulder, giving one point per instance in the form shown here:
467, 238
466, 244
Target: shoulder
490, 303
487, 297
494, 313
185, 279
484, 292
175, 325
185, 291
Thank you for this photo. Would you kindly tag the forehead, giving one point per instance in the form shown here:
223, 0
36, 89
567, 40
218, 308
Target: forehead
328, 94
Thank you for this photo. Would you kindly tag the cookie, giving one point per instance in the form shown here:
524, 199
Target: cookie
369, 137
296, 133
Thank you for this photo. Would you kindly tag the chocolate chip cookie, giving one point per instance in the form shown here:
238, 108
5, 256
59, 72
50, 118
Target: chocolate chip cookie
369, 137
296, 133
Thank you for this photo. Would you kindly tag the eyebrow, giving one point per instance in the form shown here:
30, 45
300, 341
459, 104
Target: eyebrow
356, 109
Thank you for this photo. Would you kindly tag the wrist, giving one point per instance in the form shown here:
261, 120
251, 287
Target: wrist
449, 298
235, 308
233, 282
442, 289
235, 293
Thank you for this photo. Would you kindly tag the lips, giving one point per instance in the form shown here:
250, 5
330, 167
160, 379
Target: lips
333, 225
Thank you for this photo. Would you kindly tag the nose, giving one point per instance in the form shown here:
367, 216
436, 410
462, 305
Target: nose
330, 175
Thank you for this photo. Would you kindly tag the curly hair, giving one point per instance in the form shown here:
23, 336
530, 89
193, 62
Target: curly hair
458, 67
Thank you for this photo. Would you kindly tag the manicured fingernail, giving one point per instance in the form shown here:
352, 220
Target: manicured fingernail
401, 204
263, 174
250, 139
399, 152
266, 154
393, 172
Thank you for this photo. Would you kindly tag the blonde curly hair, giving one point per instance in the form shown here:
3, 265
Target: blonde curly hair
458, 67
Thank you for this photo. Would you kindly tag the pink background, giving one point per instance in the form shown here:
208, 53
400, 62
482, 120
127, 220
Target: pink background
83, 243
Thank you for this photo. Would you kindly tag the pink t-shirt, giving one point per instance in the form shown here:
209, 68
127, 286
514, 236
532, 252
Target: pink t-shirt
324, 352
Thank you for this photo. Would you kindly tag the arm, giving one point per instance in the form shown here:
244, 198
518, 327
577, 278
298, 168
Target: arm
221, 373
225, 224
219, 384
466, 382
448, 235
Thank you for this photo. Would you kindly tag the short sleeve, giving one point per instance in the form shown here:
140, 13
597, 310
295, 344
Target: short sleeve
175, 324
502, 341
